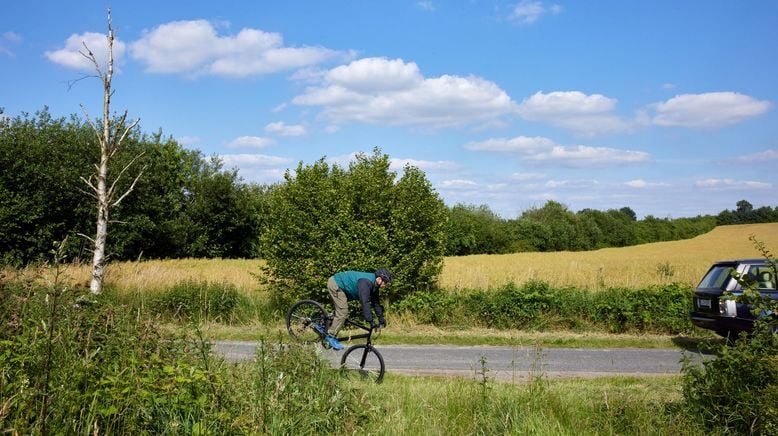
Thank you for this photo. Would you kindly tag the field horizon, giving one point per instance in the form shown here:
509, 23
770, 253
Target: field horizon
636, 266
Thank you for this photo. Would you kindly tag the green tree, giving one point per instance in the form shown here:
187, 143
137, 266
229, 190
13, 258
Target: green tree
327, 219
475, 230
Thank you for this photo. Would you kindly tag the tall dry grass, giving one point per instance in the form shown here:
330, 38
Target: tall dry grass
632, 267
156, 275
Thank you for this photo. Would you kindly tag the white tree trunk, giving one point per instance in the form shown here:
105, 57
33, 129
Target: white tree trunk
110, 140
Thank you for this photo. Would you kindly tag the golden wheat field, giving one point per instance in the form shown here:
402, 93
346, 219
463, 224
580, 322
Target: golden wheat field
632, 267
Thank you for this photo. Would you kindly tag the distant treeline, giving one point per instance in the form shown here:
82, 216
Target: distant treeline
477, 230
187, 205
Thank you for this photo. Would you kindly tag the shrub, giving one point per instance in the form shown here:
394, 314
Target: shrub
737, 392
327, 219
537, 305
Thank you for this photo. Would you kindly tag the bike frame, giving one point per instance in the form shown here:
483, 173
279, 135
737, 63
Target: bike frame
367, 335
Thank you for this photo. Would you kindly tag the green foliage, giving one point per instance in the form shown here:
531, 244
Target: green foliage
183, 205
746, 214
737, 392
475, 230
536, 305
327, 219
75, 364
199, 301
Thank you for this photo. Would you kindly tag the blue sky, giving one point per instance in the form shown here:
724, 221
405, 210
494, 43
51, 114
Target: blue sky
668, 107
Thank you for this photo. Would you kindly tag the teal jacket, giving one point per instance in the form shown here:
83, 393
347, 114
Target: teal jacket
361, 286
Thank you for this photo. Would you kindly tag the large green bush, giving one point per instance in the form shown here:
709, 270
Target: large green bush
327, 219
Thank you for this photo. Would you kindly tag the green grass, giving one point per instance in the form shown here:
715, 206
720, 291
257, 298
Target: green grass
443, 406
429, 335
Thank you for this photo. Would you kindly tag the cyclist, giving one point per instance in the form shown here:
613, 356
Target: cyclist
356, 285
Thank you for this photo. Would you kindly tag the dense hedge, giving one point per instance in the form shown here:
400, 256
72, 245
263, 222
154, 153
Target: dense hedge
536, 305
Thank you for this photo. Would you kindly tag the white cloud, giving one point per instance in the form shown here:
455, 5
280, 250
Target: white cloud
544, 150
572, 184
708, 110
283, 129
194, 47
189, 140
426, 165
9, 38
457, 184
70, 56
426, 5
731, 184
528, 12
519, 144
250, 142
761, 157
253, 160
641, 184
393, 92
585, 115
525, 177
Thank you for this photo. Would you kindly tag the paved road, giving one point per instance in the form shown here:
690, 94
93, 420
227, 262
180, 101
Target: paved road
505, 363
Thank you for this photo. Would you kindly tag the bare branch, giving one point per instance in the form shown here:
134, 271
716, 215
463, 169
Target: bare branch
131, 187
72, 83
89, 183
86, 237
110, 192
89, 120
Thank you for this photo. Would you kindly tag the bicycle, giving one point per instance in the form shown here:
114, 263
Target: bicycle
307, 321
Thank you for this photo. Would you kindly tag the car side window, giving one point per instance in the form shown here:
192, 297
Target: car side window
762, 276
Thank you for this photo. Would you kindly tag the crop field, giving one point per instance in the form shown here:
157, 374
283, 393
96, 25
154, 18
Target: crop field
632, 267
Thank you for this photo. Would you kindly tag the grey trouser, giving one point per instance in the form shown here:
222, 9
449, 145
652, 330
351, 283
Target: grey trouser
340, 302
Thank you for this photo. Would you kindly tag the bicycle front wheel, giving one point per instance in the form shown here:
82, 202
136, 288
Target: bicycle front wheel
303, 319
362, 361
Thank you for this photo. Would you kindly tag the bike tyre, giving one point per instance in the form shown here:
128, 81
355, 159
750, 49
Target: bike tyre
351, 363
300, 320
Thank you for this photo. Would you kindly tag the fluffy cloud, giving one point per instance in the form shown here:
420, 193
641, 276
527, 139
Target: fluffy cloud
543, 150
528, 12
195, 47
283, 129
713, 109
761, 157
7, 39
585, 115
250, 142
426, 165
253, 160
70, 56
642, 184
393, 92
731, 184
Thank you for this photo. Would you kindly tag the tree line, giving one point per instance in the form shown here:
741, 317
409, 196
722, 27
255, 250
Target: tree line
188, 205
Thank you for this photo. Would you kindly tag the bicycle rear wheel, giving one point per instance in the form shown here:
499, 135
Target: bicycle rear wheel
301, 319
362, 361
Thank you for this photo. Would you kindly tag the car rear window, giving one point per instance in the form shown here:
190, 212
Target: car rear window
717, 277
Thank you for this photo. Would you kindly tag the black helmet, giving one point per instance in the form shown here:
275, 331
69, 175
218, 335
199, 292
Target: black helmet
384, 274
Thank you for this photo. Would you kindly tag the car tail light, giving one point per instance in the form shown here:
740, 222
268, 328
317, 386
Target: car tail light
727, 307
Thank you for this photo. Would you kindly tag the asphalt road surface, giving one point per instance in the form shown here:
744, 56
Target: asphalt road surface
505, 363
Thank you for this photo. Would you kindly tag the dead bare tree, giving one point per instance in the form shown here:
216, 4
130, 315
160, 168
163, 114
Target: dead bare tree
110, 138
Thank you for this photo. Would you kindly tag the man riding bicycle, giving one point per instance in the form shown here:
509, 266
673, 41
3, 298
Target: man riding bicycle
356, 285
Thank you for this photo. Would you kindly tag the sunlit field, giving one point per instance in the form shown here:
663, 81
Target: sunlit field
631, 267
